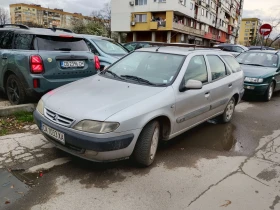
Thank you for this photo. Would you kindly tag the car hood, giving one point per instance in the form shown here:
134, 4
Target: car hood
257, 71
97, 97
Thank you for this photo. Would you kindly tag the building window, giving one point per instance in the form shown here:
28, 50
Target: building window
248, 22
245, 38
141, 18
202, 12
191, 6
247, 30
207, 14
192, 23
140, 2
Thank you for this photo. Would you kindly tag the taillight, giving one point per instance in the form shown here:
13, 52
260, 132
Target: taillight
97, 62
36, 64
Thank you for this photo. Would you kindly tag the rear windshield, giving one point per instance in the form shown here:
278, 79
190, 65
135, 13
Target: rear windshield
54, 43
110, 47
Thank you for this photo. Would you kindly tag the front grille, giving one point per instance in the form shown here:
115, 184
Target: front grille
58, 118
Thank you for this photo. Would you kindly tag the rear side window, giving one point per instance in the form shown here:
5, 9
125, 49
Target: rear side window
6, 40
24, 42
55, 43
232, 62
218, 68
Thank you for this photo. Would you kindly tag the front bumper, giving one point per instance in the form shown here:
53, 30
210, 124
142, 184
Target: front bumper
255, 89
94, 147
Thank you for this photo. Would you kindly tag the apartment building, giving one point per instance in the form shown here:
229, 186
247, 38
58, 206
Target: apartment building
33, 13
201, 22
249, 31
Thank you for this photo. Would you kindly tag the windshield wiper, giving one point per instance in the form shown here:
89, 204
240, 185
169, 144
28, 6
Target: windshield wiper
114, 74
139, 79
251, 64
63, 49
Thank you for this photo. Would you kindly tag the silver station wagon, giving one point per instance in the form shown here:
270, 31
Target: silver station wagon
149, 95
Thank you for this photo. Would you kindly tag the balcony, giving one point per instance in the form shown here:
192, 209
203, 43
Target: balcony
221, 39
189, 30
153, 25
208, 36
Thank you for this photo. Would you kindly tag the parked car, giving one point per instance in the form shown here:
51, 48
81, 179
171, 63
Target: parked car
34, 61
149, 95
261, 48
131, 46
262, 72
233, 49
107, 50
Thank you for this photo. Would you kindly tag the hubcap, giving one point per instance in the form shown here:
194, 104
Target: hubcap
270, 91
154, 143
229, 110
13, 91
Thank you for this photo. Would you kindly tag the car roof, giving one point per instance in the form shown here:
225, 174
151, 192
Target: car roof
95, 37
182, 50
40, 31
264, 51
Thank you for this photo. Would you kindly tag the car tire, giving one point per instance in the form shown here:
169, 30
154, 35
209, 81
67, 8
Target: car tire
15, 90
228, 112
147, 143
269, 92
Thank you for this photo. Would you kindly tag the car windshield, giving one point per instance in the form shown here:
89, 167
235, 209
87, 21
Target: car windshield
53, 43
110, 47
258, 59
155, 68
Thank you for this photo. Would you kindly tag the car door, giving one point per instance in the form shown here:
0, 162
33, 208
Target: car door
221, 84
6, 43
192, 106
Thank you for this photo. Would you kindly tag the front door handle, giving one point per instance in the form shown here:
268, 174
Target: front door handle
207, 94
4, 57
230, 85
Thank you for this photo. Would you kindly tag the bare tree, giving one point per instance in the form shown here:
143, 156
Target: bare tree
4, 16
275, 23
103, 16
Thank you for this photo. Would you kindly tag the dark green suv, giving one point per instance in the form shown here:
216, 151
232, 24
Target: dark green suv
34, 61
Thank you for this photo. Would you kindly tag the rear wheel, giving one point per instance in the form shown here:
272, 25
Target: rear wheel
15, 90
268, 94
228, 112
147, 143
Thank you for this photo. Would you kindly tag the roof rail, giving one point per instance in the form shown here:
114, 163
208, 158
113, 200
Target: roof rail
61, 29
18, 25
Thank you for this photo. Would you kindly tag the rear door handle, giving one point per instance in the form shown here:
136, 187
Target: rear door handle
207, 94
230, 85
4, 58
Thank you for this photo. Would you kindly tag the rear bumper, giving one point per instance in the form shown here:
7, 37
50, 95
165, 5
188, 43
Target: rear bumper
255, 89
94, 147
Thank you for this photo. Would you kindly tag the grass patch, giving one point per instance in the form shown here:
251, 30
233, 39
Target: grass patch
15, 123
24, 116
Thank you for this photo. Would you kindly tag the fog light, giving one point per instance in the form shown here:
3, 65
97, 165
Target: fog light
250, 87
90, 153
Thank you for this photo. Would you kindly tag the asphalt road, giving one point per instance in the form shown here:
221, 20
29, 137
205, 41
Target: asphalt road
214, 166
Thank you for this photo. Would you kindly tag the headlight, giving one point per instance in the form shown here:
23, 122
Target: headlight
40, 107
96, 126
253, 80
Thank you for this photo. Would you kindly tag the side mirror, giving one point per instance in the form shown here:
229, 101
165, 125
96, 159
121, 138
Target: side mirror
193, 84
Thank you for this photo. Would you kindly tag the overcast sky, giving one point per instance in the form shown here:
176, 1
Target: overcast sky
263, 9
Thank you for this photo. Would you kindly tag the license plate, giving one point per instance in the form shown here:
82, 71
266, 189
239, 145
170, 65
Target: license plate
71, 64
54, 133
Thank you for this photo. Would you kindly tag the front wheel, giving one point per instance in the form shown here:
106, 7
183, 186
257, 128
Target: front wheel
147, 143
268, 94
228, 112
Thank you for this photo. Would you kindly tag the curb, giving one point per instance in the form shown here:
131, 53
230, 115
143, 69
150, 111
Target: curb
9, 110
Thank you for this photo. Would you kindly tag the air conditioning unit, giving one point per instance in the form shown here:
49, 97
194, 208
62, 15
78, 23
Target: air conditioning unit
207, 5
131, 3
132, 23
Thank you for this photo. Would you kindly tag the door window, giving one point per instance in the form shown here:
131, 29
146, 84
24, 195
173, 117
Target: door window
92, 48
218, 68
237, 49
6, 40
131, 46
197, 70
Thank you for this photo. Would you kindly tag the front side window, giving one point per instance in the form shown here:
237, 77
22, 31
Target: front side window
24, 41
231, 61
130, 47
218, 68
140, 2
6, 40
258, 59
110, 47
156, 68
197, 70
